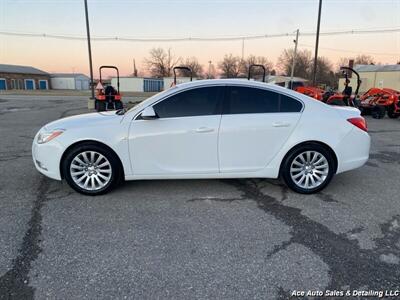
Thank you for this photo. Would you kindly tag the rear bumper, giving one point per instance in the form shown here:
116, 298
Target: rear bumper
353, 151
47, 157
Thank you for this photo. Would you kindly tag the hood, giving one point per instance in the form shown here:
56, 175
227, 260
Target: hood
85, 120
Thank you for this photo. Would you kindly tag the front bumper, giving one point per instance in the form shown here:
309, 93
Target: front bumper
47, 157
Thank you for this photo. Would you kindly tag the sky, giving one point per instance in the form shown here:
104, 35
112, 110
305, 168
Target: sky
190, 18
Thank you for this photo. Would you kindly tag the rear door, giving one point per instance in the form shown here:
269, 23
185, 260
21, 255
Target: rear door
254, 126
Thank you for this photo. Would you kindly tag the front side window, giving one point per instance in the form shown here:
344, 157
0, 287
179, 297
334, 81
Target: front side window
202, 101
247, 100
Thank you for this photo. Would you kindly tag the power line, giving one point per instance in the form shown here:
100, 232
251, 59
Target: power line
198, 39
352, 51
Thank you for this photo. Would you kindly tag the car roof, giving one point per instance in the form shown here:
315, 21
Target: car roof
238, 82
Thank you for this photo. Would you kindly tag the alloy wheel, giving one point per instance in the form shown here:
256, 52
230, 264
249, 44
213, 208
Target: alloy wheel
90, 170
309, 169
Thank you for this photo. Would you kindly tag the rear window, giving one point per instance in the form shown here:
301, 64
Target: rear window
288, 104
247, 100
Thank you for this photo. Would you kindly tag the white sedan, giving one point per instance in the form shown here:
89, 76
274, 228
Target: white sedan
222, 128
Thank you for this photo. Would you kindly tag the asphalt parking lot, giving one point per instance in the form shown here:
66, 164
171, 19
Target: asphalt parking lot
185, 239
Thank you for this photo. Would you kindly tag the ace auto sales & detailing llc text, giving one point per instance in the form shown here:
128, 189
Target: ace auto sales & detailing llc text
347, 293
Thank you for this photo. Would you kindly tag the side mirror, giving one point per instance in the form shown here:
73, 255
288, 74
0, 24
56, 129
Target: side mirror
149, 114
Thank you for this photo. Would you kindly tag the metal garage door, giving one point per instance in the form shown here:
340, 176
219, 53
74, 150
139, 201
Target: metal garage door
43, 84
3, 84
78, 84
29, 84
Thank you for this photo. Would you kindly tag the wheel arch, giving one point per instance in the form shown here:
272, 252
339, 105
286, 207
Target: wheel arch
121, 167
312, 142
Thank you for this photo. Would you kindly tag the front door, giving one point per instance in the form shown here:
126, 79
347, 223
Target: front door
254, 126
184, 137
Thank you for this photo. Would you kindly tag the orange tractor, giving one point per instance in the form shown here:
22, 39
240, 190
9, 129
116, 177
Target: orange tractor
378, 101
334, 98
108, 97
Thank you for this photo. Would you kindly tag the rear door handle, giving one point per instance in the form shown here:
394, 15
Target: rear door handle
204, 129
280, 124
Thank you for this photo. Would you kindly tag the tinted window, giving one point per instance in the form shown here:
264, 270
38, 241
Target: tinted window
246, 100
197, 102
288, 104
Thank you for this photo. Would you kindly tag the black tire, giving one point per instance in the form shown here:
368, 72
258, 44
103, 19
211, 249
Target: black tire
116, 168
118, 105
337, 102
100, 105
292, 155
378, 112
391, 112
364, 111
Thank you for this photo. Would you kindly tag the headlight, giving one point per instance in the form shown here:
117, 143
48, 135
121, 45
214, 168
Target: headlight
47, 136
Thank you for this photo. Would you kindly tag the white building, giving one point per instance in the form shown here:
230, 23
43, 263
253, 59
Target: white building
168, 81
128, 84
138, 84
69, 81
380, 76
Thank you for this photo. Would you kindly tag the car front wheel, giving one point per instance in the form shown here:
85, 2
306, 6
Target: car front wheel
91, 169
308, 169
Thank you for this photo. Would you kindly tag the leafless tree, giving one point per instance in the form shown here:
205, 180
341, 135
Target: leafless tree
361, 59
256, 72
161, 62
304, 66
229, 66
194, 65
303, 63
364, 59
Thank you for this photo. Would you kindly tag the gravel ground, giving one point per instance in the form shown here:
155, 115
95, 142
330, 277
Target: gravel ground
185, 239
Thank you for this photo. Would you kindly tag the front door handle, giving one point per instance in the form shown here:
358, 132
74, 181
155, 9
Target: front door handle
204, 129
280, 124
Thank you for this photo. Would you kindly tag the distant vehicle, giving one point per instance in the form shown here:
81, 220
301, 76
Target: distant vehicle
378, 101
206, 129
334, 98
108, 97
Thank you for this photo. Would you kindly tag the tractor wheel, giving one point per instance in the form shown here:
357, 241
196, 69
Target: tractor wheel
378, 112
364, 111
336, 102
100, 105
391, 112
118, 105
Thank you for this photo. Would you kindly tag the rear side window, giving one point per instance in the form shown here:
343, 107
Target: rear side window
247, 100
288, 104
196, 102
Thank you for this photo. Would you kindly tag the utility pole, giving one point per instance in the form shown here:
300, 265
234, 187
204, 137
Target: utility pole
243, 49
209, 69
90, 104
135, 72
296, 42
316, 44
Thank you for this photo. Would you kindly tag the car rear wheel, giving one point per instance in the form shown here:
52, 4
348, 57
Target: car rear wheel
308, 169
91, 169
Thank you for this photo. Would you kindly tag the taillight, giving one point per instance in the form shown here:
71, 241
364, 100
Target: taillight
359, 122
